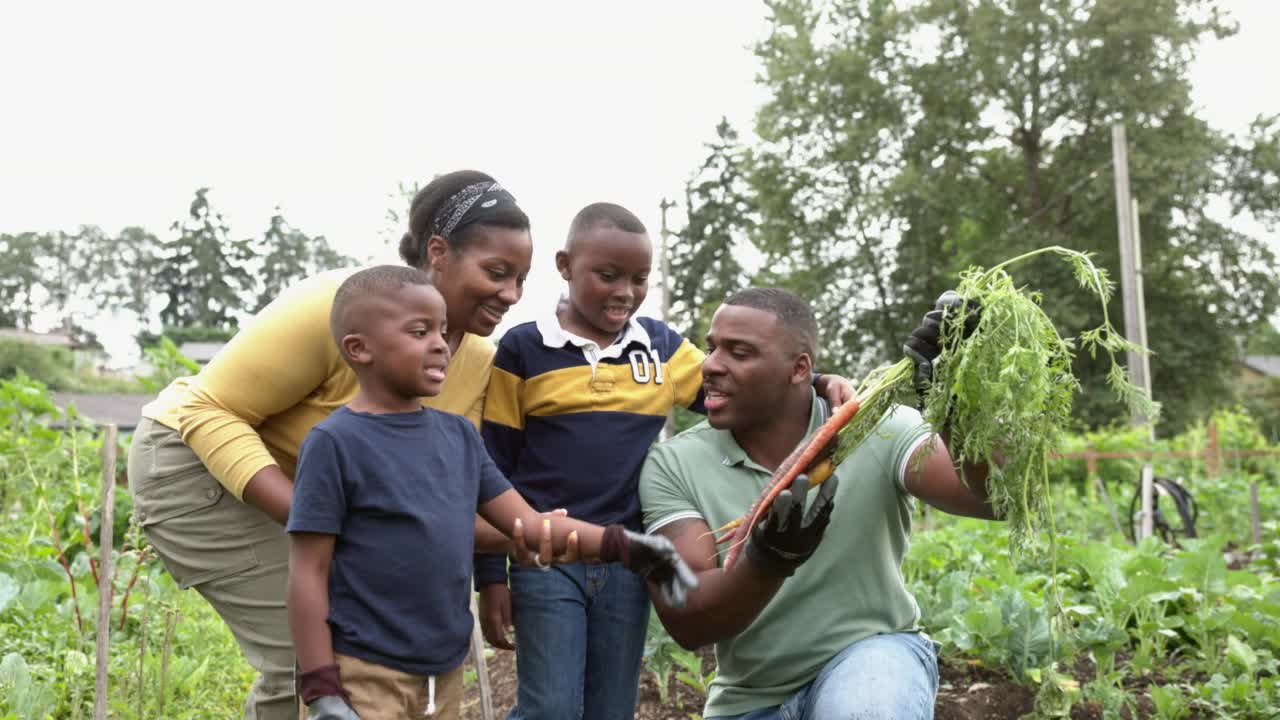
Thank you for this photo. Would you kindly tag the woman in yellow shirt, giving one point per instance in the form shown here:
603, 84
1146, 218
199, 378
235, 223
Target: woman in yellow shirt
212, 460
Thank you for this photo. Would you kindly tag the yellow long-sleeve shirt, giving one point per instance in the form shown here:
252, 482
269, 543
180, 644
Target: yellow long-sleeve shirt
252, 405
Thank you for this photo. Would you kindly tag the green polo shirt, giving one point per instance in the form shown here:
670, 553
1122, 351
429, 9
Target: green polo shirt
850, 589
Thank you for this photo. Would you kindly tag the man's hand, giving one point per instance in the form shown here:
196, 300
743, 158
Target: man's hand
652, 557
924, 344
495, 615
788, 536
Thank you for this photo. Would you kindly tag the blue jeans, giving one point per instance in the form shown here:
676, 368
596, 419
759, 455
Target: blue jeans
580, 633
893, 676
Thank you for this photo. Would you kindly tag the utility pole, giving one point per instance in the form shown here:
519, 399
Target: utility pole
1135, 321
1142, 375
1130, 262
668, 428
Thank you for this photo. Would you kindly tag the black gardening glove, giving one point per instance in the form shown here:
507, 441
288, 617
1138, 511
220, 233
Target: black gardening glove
652, 557
924, 344
788, 535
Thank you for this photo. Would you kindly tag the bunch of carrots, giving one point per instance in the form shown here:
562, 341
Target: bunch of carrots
1003, 389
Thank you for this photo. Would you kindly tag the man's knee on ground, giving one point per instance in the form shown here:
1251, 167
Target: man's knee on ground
886, 676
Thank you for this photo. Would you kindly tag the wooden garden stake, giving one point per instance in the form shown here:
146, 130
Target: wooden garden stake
482, 666
170, 625
1148, 501
1212, 456
105, 546
1254, 512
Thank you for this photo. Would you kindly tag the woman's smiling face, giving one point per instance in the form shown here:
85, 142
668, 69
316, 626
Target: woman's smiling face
484, 279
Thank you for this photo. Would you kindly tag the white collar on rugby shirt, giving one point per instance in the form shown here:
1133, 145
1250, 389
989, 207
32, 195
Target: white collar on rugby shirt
555, 336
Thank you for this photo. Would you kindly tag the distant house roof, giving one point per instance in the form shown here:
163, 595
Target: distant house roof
123, 410
58, 339
1268, 365
201, 352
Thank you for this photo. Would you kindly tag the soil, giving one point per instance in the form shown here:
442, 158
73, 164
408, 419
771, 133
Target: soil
966, 692
972, 692
681, 700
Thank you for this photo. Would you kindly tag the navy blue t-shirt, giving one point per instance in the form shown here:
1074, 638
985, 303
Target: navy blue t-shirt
400, 491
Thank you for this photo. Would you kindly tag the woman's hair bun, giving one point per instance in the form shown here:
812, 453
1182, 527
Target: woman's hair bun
411, 250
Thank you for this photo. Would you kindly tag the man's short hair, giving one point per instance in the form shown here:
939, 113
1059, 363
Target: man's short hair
603, 214
792, 311
375, 282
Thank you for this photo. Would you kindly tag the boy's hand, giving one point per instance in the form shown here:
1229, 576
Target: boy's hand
321, 689
495, 615
330, 707
652, 557
835, 389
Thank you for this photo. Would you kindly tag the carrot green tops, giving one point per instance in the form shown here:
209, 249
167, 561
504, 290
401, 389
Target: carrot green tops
251, 406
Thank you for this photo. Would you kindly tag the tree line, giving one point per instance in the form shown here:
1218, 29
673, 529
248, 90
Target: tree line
905, 142
206, 276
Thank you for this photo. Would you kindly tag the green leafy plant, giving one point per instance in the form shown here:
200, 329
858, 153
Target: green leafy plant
691, 674
167, 363
50, 478
659, 654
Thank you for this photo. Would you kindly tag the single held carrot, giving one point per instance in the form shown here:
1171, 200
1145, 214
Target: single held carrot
816, 449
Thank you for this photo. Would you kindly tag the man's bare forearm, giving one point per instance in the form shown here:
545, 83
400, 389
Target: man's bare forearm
974, 477
725, 603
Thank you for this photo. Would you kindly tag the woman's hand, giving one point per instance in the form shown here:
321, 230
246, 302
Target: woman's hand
271, 491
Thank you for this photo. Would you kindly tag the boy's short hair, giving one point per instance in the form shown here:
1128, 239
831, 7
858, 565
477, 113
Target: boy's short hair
377, 281
603, 214
792, 312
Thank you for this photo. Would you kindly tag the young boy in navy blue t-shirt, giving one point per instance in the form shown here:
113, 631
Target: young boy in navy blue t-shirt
381, 524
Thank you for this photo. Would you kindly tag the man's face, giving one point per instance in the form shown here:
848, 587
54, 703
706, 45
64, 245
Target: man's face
751, 364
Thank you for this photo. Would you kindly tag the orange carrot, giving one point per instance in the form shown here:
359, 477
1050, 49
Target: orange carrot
818, 474
805, 455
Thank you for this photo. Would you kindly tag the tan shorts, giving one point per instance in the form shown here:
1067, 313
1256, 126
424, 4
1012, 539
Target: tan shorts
381, 693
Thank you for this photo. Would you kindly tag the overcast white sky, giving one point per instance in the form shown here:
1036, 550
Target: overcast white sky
114, 115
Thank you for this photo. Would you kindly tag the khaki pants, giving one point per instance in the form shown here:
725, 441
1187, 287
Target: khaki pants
381, 693
231, 553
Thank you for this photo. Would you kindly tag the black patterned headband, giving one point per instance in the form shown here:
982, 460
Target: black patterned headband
469, 205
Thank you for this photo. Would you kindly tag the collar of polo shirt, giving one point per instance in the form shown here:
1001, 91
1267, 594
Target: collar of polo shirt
555, 336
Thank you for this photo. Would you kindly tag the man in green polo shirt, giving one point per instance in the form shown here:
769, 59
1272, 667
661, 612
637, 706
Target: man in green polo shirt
802, 629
